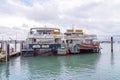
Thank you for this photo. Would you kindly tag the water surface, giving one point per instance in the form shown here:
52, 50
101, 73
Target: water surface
102, 66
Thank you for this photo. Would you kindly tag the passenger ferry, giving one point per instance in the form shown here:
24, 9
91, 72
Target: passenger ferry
42, 41
71, 42
49, 41
76, 41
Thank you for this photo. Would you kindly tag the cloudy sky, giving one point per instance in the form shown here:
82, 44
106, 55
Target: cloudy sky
101, 17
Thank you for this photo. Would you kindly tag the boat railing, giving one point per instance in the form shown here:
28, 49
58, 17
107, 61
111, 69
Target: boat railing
40, 36
73, 35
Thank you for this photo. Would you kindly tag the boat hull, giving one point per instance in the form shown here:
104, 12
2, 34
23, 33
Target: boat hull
62, 52
27, 52
41, 50
89, 48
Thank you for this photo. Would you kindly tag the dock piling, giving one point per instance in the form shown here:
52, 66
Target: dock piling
21, 46
15, 45
8, 53
112, 44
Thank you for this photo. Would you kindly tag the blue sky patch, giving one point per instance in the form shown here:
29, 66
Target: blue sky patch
27, 2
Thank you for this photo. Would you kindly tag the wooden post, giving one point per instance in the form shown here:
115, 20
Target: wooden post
111, 44
15, 45
2, 46
21, 46
112, 58
8, 53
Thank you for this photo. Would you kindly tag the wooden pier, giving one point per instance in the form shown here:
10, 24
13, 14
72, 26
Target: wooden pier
3, 56
6, 52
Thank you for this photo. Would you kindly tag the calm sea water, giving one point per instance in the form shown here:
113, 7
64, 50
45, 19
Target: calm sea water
103, 66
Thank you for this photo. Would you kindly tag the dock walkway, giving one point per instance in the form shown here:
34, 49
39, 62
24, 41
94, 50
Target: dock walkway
3, 56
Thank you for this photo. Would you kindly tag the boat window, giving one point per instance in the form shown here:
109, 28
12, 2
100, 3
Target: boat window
56, 40
71, 41
56, 30
63, 42
68, 34
48, 32
34, 40
31, 32
66, 41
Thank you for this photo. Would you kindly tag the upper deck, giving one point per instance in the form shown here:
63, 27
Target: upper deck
44, 30
40, 32
44, 35
73, 34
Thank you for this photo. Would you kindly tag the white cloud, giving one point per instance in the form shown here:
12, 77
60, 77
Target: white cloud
94, 16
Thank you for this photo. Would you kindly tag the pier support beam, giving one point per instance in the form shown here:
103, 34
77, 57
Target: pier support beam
21, 46
8, 53
15, 45
112, 44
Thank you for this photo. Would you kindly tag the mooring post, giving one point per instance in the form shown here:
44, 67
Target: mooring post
15, 45
8, 53
111, 44
21, 46
2, 46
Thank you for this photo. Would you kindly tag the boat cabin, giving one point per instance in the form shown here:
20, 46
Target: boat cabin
44, 35
74, 36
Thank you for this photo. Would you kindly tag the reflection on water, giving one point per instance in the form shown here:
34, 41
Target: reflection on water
112, 58
51, 67
104, 66
62, 67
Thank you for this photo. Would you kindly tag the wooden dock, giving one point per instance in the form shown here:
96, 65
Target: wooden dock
3, 56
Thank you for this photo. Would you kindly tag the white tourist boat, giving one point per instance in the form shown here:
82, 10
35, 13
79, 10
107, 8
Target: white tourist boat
49, 41
78, 42
42, 41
